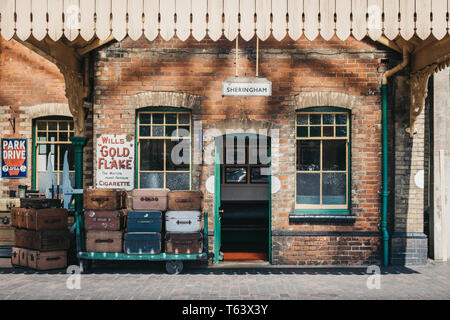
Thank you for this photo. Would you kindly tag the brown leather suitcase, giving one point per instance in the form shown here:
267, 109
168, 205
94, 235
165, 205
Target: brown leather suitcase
40, 203
105, 199
104, 220
45, 219
184, 243
47, 260
17, 217
46, 240
6, 230
184, 200
104, 241
149, 199
15, 256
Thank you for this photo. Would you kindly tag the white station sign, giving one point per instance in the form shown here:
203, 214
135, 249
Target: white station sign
115, 162
247, 87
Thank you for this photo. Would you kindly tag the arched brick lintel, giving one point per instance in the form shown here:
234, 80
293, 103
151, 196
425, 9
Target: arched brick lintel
166, 99
328, 99
49, 109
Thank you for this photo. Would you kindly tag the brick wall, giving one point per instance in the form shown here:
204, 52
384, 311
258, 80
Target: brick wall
352, 68
30, 87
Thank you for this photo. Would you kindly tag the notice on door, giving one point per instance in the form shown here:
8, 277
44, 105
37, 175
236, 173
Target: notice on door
14, 158
115, 162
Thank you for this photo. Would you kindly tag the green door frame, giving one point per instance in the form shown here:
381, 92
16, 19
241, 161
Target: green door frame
218, 143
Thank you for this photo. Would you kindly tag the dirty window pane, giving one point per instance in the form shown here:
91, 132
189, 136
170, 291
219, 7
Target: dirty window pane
63, 136
333, 188
170, 131
42, 136
144, 131
334, 155
314, 118
259, 175
152, 155
42, 125
177, 181
328, 131
70, 156
52, 136
52, 125
315, 131
183, 131
158, 118
183, 118
308, 155
341, 118
302, 119
144, 118
151, 180
157, 131
308, 188
341, 131
302, 132
171, 118
63, 125
328, 119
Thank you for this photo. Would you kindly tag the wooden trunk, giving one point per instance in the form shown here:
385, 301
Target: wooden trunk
46, 219
184, 243
39, 203
183, 221
104, 241
184, 200
18, 217
105, 199
142, 243
149, 199
144, 221
104, 220
15, 256
47, 260
46, 240
6, 230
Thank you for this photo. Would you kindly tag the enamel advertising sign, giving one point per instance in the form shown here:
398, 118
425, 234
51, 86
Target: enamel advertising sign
115, 162
14, 158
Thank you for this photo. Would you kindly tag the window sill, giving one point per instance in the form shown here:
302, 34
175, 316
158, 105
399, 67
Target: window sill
322, 216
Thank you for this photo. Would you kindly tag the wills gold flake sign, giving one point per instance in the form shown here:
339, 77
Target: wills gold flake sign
247, 87
115, 162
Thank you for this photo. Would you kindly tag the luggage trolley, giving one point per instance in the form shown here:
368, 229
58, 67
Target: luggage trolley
174, 262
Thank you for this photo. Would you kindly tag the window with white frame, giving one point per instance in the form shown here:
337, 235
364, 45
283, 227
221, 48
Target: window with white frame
322, 158
164, 149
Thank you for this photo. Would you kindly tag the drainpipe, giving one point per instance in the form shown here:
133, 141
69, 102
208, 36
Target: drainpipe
384, 192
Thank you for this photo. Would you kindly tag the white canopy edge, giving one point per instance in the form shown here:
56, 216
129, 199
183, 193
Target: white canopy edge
214, 18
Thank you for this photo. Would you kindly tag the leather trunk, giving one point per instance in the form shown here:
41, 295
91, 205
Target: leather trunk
144, 221
105, 199
23, 259
40, 203
46, 240
104, 241
6, 230
183, 221
104, 220
149, 199
184, 243
142, 243
184, 200
47, 260
45, 219
18, 217
15, 256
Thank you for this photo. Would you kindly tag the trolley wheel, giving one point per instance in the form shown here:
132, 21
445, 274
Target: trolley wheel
174, 266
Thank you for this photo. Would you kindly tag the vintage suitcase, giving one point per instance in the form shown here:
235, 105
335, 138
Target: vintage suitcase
105, 199
15, 256
104, 241
46, 240
144, 221
18, 217
149, 199
184, 200
184, 243
6, 230
47, 260
45, 219
104, 220
6, 204
142, 243
183, 221
23, 259
40, 203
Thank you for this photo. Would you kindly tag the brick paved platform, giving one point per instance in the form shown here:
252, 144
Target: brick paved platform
139, 280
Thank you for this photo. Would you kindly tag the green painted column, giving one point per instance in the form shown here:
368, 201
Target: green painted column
78, 143
384, 191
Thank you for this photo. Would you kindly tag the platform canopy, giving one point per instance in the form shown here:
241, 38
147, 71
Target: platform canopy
213, 18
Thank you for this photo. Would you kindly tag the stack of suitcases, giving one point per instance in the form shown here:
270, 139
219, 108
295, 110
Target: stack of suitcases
104, 215
41, 234
144, 222
184, 223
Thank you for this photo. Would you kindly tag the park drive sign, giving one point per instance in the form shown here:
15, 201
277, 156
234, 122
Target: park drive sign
247, 87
